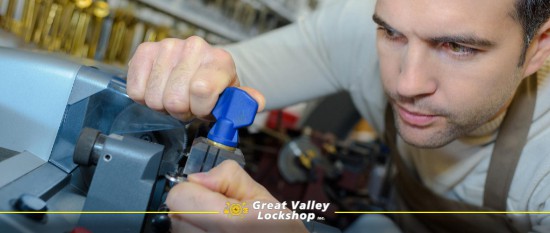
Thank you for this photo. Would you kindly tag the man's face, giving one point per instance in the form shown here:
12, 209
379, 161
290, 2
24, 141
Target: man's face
447, 66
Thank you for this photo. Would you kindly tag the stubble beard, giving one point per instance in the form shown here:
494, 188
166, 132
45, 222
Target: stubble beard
457, 125
452, 130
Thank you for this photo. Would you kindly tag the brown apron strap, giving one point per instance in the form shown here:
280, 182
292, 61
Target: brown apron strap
509, 144
413, 195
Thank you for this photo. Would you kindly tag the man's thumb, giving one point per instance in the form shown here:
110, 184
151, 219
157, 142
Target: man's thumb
258, 96
231, 180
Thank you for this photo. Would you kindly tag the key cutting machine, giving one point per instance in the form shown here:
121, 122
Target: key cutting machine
71, 141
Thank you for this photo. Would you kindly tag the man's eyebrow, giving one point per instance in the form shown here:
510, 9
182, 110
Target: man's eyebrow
460, 39
463, 39
382, 23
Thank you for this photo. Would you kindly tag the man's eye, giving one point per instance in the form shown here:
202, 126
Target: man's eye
390, 34
458, 49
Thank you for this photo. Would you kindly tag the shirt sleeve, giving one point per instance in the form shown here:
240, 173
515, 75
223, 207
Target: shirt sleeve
331, 50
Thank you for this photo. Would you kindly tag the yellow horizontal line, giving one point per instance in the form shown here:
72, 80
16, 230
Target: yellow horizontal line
109, 212
217, 212
442, 212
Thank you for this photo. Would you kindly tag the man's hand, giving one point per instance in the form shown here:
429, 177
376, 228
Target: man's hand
210, 191
182, 77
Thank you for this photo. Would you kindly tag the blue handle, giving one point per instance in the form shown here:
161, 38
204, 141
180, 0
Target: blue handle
235, 109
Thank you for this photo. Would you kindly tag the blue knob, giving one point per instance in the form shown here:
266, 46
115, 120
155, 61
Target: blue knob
235, 109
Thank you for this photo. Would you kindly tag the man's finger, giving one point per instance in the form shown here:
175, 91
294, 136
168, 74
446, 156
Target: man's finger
231, 180
205, 89
217, 72
139, 69
176, 95
160, 71
191, 197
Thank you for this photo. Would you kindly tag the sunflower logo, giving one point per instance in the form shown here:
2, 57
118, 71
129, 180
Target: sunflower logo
235, 209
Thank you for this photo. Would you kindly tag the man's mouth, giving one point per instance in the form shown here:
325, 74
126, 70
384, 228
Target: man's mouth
415, 118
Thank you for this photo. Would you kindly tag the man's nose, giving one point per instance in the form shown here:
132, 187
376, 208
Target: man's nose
417, 73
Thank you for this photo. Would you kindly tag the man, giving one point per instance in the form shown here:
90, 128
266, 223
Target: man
448, 69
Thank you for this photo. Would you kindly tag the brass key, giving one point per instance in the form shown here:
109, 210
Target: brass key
56, 14
81, 28
10, 14
63, 34
80, 34
30, 11
41, 19
49, 27
82, 4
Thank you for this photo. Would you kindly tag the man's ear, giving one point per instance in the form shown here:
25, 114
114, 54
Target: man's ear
540, 50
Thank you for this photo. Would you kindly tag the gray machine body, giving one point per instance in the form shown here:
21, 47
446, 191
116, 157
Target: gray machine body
45, 102
122, 161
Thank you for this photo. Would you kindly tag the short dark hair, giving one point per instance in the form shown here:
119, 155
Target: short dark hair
531, 14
